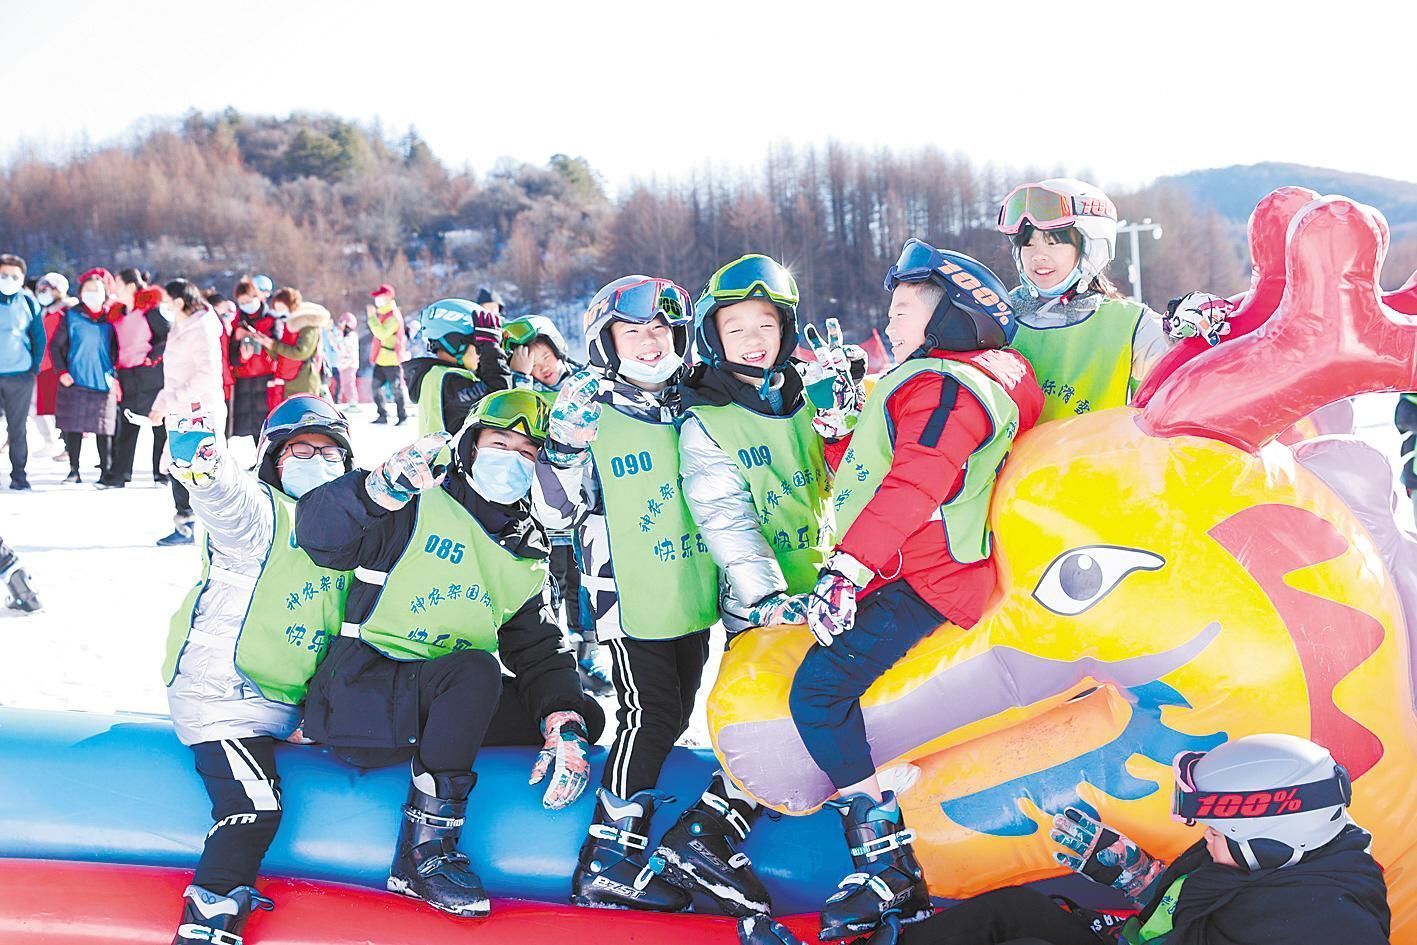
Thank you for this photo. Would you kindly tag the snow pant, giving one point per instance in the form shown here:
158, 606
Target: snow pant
566, 583
16, 393
125, 436
656, 682
74, 445
464, 702
348, 386
240, 777
825, 700
248, 406
181, 501
391, 375
1009, 916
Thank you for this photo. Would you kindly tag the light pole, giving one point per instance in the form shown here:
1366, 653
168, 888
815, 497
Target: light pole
1134, 267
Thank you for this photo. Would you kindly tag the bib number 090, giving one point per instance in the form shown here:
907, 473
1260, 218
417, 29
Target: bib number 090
630, 464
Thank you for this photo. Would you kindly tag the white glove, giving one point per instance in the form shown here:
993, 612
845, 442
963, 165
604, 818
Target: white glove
411, 470
575, 418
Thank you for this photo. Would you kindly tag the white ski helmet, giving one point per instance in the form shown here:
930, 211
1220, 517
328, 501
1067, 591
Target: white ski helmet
1272, 797
1060, 202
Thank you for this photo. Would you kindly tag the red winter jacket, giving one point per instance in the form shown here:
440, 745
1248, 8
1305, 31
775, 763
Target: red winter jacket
894, 533
260, 364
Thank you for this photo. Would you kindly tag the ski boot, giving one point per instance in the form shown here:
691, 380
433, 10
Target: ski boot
15, 582
888, 879
763, 930
613, 872
594, 679
212, 919
427, 864
701, 856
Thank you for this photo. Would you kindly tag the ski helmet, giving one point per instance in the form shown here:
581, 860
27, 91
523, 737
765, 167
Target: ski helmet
975, 311
300, 413
518, 409
1272, 797
528, 328
1057, 203
748, 277
448, 325
637, 300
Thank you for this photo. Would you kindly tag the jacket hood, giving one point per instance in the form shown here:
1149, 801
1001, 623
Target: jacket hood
308, 315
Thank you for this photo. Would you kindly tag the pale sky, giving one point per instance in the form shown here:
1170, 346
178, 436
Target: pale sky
1129, 90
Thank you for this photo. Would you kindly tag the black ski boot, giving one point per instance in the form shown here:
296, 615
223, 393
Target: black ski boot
15, 583
888, 879
614, 872
701, 856
763, 930
427, 864
212, 919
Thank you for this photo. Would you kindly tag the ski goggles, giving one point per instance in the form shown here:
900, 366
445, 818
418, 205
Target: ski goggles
643, 302
750, 277
519, 409
518, 332
1190, 804
917, 262
1047, 209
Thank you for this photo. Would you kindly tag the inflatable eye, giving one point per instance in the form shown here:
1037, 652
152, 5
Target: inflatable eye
1080, 577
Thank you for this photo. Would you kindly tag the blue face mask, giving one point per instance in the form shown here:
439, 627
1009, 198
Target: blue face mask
299, 476
501, 476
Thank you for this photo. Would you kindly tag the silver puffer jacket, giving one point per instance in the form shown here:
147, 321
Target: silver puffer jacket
722, 506
208, 699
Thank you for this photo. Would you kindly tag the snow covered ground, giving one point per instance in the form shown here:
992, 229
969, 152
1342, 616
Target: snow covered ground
108, 591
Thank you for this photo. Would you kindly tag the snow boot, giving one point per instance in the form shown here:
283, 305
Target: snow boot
701, 855
212, 919
888, 879
427, 864
614, 872
15, 582
180, 535
764, 930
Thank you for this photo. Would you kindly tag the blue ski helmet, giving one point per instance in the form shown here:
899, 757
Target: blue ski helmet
300, 413
975, 312
448, 325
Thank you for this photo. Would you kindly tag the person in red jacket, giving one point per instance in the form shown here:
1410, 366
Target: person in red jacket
252, 366
911, 494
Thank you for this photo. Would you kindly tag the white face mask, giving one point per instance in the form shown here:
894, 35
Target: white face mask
250, 308
657, 373
94, 300
9, 285
46, 298
501, 476
299, 476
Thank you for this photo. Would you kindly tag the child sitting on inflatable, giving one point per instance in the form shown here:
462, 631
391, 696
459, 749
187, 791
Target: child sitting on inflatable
911, 496
464, 363
238, 659
1281, 863
449, 575
612, 464
755, 477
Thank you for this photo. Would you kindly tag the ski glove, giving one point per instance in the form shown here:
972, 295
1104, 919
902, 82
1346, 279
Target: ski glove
1102, 854
777, 610
831, 605
575, 419
193, 455
408, 472
564, 755
1198, 315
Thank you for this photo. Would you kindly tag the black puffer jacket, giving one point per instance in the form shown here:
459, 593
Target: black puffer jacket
460, 394
339, 526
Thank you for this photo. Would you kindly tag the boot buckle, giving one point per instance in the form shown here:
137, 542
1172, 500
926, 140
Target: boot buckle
433, 820
728, 813
883, 845
626, 839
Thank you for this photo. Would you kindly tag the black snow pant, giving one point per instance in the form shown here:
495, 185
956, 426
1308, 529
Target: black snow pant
240, 778
656, 682
391, 375
16, 394
1010, 916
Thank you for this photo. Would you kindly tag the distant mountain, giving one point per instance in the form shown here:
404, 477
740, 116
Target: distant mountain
1234, 191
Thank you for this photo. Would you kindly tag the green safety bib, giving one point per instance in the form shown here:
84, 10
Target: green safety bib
430, 398
452, 587
1162, 920
666, 581
966, 514
782, 460
1086, 366
296, 606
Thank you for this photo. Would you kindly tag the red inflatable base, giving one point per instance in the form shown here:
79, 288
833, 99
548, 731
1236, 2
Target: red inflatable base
60, 903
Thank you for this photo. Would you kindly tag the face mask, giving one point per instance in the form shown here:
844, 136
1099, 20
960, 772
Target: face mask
656, 373
501, 476
250, 308
9, 285
167, 311
384, 307
94, 300
299, 476
46, 298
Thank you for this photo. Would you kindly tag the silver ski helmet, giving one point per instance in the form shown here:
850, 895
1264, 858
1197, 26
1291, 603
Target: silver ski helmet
1058, 203
637, 300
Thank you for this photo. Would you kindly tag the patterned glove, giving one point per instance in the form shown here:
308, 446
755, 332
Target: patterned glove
192, 451
1198, 314
564, 755
575, 418
411, 470
778, 610
1102, 854
487, 326
831, 605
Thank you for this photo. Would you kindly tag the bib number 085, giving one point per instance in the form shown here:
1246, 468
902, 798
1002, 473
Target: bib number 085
445, 548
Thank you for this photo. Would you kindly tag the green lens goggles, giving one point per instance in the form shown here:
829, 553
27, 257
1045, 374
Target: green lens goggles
748, 277
518, 332
512, 410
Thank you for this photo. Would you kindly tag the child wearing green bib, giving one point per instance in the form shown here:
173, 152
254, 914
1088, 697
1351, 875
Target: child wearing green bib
449, 569
244, 642
649, 585
464, 363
